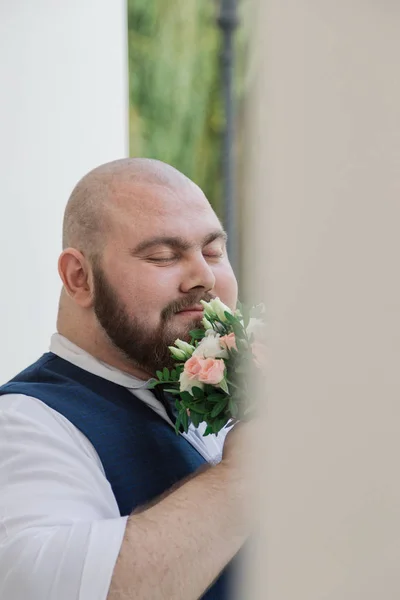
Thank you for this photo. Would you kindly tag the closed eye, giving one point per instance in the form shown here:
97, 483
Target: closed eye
213, 255
161, 259
214, 251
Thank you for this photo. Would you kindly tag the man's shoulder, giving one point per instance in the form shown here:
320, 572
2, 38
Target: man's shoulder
49, 377
30, 409
28, 373
27, 415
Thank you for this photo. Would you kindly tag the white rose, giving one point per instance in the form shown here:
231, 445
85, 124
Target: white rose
210, 346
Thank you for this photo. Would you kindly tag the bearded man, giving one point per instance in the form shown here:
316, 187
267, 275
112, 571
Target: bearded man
100, 498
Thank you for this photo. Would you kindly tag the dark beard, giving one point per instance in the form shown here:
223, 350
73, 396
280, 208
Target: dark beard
143, 348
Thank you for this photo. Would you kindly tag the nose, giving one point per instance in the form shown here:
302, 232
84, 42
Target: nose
198, 274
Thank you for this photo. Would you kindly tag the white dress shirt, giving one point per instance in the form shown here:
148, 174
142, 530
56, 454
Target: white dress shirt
60, 527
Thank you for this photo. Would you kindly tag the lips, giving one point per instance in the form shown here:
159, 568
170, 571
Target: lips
196, 308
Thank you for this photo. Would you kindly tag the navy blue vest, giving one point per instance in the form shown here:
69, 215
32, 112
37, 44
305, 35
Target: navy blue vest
140, 452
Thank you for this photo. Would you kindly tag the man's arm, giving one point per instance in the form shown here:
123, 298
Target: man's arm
177, 547
60, 527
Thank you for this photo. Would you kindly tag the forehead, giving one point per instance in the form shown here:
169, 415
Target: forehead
142, 209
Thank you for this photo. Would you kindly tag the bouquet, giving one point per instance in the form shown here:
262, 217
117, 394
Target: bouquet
213, 372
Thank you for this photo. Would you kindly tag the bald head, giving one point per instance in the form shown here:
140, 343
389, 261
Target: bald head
141, 244
86, 214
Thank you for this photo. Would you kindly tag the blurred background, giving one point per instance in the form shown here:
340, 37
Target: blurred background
177, 85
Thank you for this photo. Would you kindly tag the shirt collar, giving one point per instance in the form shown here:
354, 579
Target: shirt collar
64, 348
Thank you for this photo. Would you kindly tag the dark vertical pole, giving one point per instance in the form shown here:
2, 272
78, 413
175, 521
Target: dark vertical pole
227, 21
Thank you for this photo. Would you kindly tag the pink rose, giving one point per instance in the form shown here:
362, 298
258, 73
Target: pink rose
192, 367
212, 370
228, 341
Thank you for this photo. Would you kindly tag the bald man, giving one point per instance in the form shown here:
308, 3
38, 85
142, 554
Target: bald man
100, 499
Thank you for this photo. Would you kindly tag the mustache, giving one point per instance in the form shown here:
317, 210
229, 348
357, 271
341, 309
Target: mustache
189, 300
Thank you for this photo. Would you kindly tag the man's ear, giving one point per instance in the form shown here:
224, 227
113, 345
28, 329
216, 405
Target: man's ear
76, 276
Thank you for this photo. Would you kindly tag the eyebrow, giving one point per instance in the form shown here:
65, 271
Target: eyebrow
178, 242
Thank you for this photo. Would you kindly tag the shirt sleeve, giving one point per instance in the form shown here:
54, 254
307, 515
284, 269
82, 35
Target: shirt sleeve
60, 527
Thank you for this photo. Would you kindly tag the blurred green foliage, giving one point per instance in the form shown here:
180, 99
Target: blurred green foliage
176, 109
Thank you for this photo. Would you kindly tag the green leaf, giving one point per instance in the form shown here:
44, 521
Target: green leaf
200, 407
215, 397
186, 397
159, 375
230, 318
177, 424
218, 408
220, 424
197, 334
197, 392
195, 418
173, 374
224, 386
152, 385
166, 373
172, 391
185, 420
208, 430
242, 346
246, 316
233, 384
239, 331
233, 407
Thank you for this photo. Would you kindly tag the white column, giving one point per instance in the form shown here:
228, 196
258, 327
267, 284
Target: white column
328, 173
63, 111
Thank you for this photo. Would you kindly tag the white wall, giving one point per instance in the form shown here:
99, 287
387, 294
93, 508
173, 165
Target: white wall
63, 111
328, 172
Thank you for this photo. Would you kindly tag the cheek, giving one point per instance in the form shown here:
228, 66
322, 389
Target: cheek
142, 294
146, 294
226, 287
